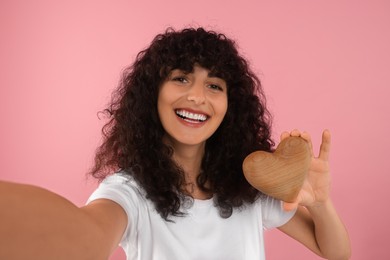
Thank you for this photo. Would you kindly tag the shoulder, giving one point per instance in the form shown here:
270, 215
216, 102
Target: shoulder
121, 182
122, 189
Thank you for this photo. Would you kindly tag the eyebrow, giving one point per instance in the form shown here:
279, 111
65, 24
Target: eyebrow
210, 74
213, 75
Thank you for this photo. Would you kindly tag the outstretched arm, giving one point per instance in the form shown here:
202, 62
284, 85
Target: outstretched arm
38, 224
316, 223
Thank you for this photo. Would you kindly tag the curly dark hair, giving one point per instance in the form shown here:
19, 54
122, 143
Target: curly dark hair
133, 135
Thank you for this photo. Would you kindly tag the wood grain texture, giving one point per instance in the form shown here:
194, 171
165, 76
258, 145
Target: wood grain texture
279, 174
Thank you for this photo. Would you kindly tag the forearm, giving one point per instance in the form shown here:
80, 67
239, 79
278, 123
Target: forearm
330, 233
36, 223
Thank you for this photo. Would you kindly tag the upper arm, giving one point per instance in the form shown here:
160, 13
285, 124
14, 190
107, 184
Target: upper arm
110, 220
301, 228
51, 227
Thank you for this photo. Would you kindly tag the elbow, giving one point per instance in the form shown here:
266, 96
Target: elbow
94, 244
339, 255
344, 253
346, 256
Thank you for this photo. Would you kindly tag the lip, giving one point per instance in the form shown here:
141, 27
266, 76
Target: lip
189, 122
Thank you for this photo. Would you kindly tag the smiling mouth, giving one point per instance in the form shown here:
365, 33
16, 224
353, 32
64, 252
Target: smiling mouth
191, 117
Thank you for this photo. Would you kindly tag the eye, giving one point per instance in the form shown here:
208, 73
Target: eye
215, 87
180, 79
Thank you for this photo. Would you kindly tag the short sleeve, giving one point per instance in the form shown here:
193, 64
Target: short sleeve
273, 214
122, 190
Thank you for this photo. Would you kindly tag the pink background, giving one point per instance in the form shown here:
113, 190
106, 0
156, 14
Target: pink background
324, 64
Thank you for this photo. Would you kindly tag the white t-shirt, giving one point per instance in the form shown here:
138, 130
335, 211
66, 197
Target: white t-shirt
201, 234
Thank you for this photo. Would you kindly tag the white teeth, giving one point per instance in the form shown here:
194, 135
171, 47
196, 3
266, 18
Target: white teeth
188, 115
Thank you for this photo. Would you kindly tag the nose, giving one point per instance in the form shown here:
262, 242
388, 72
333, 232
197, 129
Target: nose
196, 94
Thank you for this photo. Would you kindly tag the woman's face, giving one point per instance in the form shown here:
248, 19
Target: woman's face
191, 106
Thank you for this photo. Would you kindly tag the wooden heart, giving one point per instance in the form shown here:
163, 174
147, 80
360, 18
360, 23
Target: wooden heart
279, 174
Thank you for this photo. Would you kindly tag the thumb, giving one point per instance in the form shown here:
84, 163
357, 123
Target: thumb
289, 206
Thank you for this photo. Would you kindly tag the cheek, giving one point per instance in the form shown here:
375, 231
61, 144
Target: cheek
223, 107
161, 109
165, 102
162, 100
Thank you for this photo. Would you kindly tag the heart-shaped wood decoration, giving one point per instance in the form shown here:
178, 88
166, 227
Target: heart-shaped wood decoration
279, 174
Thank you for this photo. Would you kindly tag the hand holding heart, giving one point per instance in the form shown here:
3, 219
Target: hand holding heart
292, 173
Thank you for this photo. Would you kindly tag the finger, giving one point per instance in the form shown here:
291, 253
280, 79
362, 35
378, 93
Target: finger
295, 132
305, 135
325, 145
284, 135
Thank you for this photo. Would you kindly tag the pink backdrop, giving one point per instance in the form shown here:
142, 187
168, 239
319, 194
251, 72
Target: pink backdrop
324, 64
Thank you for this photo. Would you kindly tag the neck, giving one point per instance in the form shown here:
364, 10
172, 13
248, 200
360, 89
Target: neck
189, 158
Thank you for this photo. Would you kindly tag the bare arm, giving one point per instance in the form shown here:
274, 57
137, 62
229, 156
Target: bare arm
316, 223
321, 230
38, 224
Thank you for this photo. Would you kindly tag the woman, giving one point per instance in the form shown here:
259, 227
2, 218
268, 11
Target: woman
187, 113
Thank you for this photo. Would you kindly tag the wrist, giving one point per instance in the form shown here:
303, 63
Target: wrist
320, 208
